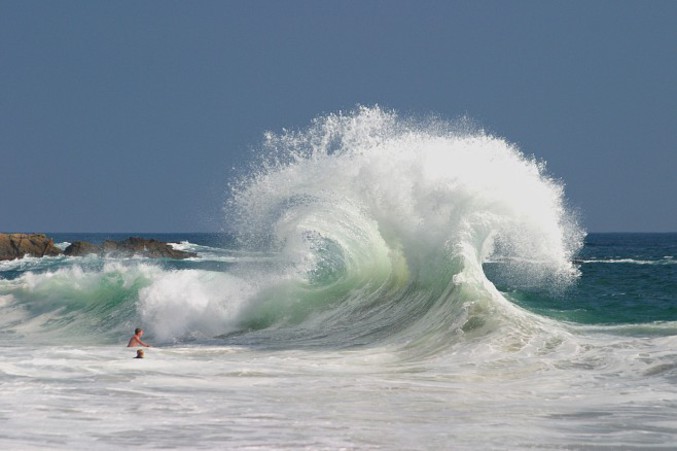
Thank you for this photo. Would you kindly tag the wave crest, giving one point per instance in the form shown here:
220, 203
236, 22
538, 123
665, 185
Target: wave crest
367, 208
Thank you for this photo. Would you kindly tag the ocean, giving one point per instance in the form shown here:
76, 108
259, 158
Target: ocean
385, 283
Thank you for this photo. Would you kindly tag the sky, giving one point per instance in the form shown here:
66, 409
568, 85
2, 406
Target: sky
132, 116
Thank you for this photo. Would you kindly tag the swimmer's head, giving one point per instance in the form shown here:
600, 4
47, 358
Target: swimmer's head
139, 354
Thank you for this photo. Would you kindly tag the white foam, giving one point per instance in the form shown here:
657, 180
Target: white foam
63, 245
190, 303
632, 261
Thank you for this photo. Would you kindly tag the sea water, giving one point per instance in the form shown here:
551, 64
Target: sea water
387, 283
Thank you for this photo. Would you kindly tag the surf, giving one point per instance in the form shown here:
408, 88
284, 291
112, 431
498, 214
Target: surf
364, 228
382, 225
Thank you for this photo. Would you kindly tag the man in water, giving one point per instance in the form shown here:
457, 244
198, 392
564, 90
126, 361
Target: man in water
139, 354
136, 339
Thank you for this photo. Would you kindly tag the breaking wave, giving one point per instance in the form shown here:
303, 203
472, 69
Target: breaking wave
365, 227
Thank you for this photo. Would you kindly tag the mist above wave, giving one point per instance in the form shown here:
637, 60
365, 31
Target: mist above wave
378, 184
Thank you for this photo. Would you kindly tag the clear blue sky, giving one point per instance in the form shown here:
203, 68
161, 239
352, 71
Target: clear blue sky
127, 116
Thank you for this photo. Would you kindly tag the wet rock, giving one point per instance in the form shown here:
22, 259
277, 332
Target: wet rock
82, 248
16, 245
131, 246
145, 247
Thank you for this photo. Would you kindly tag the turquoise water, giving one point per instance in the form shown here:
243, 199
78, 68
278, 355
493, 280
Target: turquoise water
625, 279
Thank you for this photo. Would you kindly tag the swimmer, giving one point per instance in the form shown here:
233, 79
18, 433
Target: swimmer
139, 354
136, 339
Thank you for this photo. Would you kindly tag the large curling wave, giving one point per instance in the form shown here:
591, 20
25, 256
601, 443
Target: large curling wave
382, 225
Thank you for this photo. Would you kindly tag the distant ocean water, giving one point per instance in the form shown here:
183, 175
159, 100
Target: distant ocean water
388, 285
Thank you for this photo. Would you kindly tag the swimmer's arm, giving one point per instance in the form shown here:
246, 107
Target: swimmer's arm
134, 341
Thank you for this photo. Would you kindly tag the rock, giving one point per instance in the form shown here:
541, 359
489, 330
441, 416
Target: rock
81, 248
16, 245
144, 247
131, 246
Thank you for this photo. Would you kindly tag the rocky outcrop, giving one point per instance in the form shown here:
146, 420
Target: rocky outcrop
144, 247
132, 246
16, 245
81, 248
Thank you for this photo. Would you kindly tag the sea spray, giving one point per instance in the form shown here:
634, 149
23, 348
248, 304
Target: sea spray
398, 217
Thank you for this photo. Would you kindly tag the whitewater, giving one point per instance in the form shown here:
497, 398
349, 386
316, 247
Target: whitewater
387, 282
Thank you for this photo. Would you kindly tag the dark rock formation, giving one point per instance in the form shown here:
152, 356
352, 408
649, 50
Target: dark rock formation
127, 248
16, 245
145, 247
81, 248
